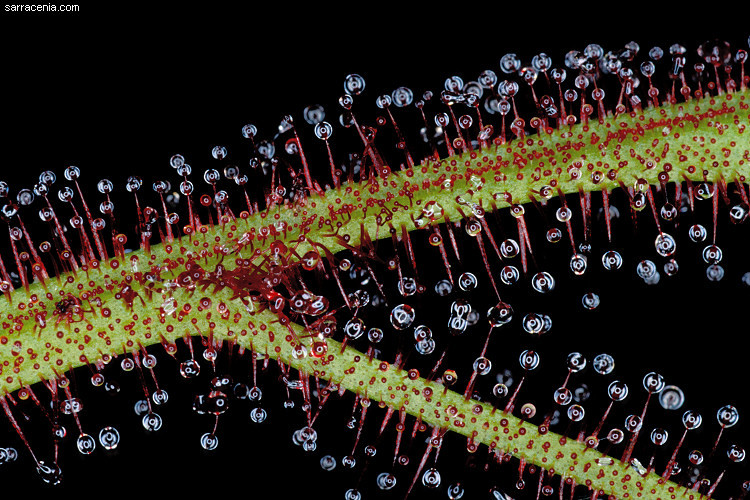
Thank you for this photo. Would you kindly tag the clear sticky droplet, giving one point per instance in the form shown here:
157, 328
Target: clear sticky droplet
659, 436
510, 63
482, 365
386, 481
467, 281
140, 407
190, 368
354, 84
50, 473
638, 467
354, 328
258, 415
691, 420
738, 213
425, 347
590, 301
109, 438
152, 422
529, 360
576, 362
352, 494
509, 248
422, 332
509, 275
736, 453
528, 410
375, 335
455, 491
633, 423
665, 244
402, 316
697, 233
323, 130
500, 391
498, 494
85, 444
578, 264
727, 416
209, 441
668, 212
653, 382
576, 413
638, 202
563, 396
219, 152
176, 161
402, 97
444, 288
459, 317
671, 267
554, 235
603, 364
327, 463
612, 260
646, 269
533, 324
473, 227
431, 478
8, 455
543, 282
500, 314
704, 191
564, 214
615, 436
617, 390
714, 272
313, 114
160, 397
671, 398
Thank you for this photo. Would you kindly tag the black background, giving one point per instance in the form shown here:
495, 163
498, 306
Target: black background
117, 90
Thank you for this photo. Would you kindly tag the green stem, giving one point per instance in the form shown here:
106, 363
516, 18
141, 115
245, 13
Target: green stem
126, 304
